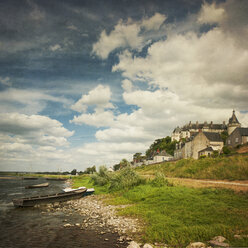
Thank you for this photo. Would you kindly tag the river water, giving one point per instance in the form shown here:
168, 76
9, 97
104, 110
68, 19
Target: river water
32, 228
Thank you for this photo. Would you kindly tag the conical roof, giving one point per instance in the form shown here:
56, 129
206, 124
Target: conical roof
233, 119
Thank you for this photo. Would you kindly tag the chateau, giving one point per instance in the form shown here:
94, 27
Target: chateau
197, 139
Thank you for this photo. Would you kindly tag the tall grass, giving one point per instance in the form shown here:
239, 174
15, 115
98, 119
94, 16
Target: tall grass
232, 168
122, 180
174, 215
180, 215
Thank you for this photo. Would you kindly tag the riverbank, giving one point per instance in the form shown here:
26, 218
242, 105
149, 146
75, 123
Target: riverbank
97, 217
178, 215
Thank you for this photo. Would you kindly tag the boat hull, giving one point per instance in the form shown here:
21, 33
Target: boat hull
37, 200
37, 186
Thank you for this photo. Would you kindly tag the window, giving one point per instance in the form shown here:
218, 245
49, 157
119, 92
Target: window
229, 142
236, 140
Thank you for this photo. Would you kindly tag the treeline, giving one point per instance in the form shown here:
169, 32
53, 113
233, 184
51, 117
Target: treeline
160, 145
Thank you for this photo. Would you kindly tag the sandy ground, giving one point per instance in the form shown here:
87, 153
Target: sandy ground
200, 183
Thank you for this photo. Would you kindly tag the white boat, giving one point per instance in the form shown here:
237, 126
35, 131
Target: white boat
70, 189
87, 192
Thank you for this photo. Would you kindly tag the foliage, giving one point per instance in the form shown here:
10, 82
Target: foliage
202, 156
161, 144
224, 136
160, 180
124, 163
102, 177
116, 167
215, 154
226, 150
90, 170
125, 179
74, 172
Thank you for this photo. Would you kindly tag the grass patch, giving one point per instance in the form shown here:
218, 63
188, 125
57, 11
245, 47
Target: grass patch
180, 215
231, 168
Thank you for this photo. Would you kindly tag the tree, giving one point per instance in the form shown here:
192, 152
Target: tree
117, 167
124, 163
74, 172
137, 157
224, 136
226, 150
160, 145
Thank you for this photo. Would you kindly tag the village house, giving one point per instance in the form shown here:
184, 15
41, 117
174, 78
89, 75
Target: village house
162, 156
238, 137
201, 144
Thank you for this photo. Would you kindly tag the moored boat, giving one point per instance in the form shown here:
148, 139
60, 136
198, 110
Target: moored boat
42, 185
44, 199
87, 192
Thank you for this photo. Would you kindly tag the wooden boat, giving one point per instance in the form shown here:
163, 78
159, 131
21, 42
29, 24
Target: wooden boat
70, 189
87, 192
42, 185
44, 199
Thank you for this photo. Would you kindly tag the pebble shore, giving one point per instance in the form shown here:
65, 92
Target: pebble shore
103, 218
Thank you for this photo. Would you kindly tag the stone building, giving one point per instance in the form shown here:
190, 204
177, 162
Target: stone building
191, 129
233, 123
198, 143
162, 156
238, 137
206, 152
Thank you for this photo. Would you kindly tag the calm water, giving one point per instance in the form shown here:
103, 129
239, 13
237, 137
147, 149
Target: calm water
29, 227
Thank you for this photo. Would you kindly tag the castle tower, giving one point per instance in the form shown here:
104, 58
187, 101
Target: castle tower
233, 123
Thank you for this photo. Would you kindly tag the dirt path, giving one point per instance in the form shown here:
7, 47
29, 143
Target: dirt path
199, 183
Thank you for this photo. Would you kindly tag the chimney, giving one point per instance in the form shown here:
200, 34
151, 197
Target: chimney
224, 123
196, 123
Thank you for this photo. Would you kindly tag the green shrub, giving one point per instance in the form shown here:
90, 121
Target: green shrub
125, 179
226, 150
102, 177
160, 180
202, 156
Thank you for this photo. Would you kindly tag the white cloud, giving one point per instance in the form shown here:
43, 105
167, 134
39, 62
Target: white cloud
127, 85
99, 96
127, 34
5, 81
154, 22
26, 101
210, 13
55, 47
31, 140
210, 64
97, 119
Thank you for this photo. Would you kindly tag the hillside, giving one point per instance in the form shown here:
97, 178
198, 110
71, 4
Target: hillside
232, 168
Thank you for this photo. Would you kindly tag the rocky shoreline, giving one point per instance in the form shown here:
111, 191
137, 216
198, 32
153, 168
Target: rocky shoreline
103, 219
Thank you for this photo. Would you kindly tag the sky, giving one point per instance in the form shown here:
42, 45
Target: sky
90, 82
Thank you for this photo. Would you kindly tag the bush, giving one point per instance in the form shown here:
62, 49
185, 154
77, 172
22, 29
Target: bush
160, 180
215, 154
102, 177
125, 179
202, 156
226, 150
